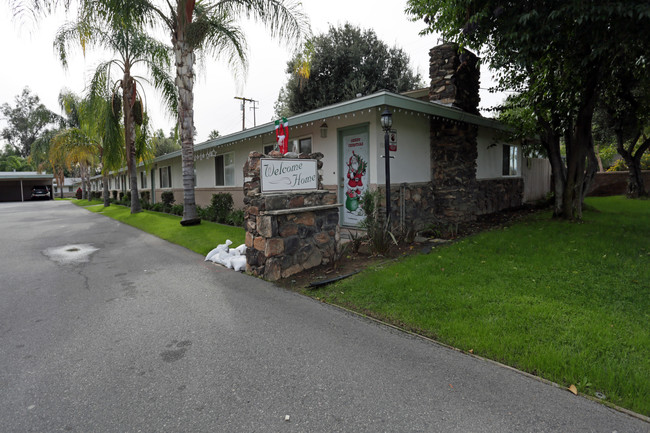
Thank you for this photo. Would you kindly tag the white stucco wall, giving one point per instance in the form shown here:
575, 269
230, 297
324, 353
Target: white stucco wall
412, 161
489, 163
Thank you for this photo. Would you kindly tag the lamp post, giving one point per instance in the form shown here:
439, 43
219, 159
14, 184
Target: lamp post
386, 124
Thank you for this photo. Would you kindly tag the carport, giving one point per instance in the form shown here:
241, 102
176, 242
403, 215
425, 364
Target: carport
17, 185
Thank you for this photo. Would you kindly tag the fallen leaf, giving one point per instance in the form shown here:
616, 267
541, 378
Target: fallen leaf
471, 350
573, 389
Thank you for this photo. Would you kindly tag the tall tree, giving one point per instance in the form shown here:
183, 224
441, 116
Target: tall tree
121, 34
559, 55
338, 65
209, 27
26, 121
10, 160
626, 101
163, 145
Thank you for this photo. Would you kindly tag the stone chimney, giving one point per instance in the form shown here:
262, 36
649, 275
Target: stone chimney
454, 77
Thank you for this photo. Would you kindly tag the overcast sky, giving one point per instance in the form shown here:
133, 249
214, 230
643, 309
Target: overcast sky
31, 61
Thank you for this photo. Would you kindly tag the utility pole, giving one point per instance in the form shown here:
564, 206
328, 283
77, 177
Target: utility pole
243, 110
254, 107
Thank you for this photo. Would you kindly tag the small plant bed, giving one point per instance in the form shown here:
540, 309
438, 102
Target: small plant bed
569, 302
199, 238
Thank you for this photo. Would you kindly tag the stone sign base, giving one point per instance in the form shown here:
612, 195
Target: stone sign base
288, 232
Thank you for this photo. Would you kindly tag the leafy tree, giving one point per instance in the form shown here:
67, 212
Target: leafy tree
559, 54
626, 101
163, 145
213, 134
10, 160
205, 27
338, 65
28, 119
121, 33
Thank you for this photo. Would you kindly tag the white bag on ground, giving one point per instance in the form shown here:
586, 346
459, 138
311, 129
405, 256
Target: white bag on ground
238, 263
221, 247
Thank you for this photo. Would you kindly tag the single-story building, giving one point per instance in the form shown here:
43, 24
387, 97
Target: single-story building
18, 185
450, 163
70, 185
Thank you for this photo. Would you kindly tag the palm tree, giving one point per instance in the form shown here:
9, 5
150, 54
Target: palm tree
95, 121
132, 48
206, 27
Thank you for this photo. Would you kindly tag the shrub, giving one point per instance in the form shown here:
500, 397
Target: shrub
157, 207
114, 193
121, 195
79, 194
145, 205
168, 200
176, 209
145, 196
221, 205
377, 230
236, 218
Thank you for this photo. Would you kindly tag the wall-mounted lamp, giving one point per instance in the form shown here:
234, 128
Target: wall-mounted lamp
323, 130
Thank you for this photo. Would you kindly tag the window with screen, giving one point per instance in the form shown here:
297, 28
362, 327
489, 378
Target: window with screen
510, 160
165, 175
224, 169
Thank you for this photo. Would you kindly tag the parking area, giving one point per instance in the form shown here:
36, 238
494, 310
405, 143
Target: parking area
25, 185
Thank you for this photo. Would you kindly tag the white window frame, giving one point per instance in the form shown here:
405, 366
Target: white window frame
228, 171
513, 168
167, 170
143, 179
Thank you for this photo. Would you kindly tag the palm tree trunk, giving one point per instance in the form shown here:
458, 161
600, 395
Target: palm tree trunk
185, 82
105, 193
128, 93
84, 183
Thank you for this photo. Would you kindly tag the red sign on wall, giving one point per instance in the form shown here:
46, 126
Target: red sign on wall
392, 141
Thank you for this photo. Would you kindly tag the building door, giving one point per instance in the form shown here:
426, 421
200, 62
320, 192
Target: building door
354, 174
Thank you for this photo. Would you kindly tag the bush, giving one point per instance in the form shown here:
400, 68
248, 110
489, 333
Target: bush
145, 205
145, 196
236, 218
121, 195
168, 200
157, 207
377, 229
176, 209
221, 205
114, 194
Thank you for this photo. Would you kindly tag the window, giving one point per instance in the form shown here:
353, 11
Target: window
224, 169
143, 179
268, 148
165, 174
510, 160
304, 145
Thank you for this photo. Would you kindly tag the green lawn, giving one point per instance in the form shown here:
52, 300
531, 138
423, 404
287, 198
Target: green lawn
199, 238
566, 301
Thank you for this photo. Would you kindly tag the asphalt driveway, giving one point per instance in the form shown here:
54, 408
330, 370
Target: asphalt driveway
104, 328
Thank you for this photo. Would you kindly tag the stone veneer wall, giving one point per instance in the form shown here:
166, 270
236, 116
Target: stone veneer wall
453, 165
288, 232
454, 77
494, 195
412, 206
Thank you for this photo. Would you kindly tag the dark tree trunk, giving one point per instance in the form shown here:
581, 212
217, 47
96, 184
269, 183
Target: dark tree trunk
185, 83
105, 193
635, 184
128, 93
